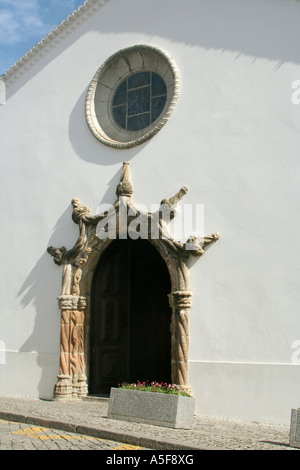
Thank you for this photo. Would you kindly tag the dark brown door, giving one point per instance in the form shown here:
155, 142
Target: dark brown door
130, 322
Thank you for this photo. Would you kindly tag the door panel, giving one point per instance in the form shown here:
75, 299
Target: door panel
130, 321
109, 325
150, 315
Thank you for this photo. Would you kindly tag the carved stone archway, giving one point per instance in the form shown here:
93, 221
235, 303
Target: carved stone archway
80, 262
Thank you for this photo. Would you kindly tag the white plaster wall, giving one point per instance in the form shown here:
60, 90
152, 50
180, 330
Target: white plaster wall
233, 140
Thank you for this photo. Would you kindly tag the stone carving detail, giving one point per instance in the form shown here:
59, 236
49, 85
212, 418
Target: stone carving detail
71, 380
125, 187
180, 301
78, 266
136, 58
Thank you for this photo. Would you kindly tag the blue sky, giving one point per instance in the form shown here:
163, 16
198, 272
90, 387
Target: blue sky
23, 23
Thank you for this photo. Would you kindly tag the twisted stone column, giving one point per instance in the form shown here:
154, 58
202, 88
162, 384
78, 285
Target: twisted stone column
180, 302
71, 383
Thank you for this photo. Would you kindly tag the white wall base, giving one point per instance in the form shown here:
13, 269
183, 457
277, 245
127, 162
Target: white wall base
28, 374
245, 391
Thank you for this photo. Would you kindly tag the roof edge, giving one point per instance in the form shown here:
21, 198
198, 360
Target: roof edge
68, 25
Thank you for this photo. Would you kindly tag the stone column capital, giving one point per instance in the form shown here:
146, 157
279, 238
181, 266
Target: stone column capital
71, 302
180, 300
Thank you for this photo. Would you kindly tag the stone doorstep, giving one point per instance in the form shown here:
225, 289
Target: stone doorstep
99, 397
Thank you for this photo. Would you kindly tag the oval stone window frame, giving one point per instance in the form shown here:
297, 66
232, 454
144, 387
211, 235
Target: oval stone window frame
107, 79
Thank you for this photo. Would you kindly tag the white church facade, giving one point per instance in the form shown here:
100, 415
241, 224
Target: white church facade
150, 205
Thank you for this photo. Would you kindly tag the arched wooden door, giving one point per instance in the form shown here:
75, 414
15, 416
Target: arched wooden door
130, 317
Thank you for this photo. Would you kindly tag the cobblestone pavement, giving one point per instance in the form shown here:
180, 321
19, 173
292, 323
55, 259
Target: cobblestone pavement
18, 436
90, 418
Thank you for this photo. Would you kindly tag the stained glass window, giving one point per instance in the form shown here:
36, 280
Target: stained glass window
139, 100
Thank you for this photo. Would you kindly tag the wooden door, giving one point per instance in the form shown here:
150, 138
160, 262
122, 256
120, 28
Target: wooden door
130, 322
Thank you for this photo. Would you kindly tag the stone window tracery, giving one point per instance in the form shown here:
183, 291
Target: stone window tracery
132, 96
139, 100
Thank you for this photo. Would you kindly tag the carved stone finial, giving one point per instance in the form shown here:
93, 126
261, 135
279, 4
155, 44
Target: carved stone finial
174, 200
125, 187
79, 210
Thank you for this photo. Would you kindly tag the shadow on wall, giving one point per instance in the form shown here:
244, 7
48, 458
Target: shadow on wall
259, 28
41, 288
87, 147
266, 29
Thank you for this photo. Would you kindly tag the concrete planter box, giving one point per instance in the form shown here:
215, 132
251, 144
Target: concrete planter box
160, 409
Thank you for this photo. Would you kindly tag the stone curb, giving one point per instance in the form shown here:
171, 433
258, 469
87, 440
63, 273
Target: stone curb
126, 438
